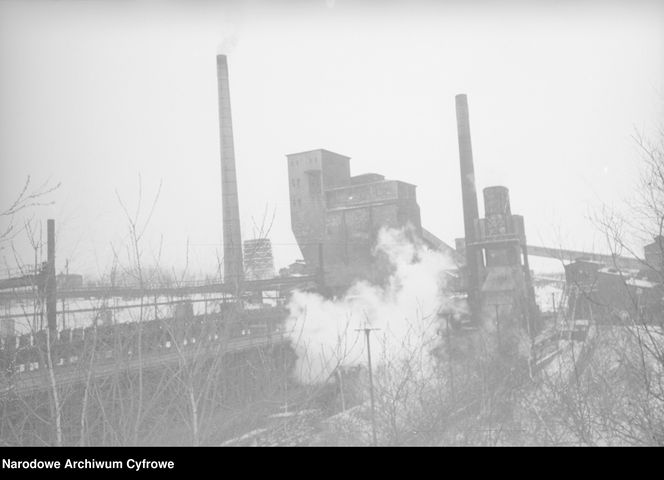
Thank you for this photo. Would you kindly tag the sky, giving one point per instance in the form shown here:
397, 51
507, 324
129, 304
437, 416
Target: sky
101, 96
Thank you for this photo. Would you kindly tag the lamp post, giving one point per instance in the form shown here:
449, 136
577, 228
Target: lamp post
497, 305
367, 333
449, 358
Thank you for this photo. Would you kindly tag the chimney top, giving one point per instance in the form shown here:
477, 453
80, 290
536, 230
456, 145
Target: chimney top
461, 100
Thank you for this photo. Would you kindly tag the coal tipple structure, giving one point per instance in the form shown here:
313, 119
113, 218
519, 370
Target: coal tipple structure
497, 270
336, 217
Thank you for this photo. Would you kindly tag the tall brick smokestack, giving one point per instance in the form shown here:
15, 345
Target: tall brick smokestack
469, 196
233, 265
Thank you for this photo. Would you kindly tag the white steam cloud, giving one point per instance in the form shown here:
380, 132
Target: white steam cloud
404, 309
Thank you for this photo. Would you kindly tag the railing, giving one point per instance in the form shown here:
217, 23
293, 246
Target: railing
175, 289
18, 272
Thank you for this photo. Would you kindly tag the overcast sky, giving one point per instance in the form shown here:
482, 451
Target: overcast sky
94, 94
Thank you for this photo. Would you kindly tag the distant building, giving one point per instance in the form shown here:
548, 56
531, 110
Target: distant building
297, 268
258, 259
336, 217
68, 281
654, 259
609, 295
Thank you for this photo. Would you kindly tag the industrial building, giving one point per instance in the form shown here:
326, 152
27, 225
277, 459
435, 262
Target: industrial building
497, 271
336, 217
653, 255
258, 259
610, 295
501, 238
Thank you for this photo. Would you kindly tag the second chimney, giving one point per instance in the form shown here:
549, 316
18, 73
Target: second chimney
469, 197
233, 265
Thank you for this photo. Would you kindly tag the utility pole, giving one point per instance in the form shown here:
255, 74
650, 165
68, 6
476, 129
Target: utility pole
341, 389
66, 279
321, 267
553, 302
449, 356
367, 333
51, 295
497, 305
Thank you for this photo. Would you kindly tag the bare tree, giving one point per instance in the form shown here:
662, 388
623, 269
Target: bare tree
27, 198
612, 393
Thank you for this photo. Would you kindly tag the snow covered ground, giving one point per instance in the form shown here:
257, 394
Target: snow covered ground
546, 295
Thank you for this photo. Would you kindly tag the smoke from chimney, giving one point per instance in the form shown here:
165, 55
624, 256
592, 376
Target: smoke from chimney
405, 309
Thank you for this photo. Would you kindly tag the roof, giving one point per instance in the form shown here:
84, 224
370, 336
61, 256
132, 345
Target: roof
657, 244
355, 206
585, 260
630, 277
436, 243
317, 150
638, 282
625, 272
360, 185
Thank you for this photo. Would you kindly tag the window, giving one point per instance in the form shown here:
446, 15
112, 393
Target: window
315, 182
